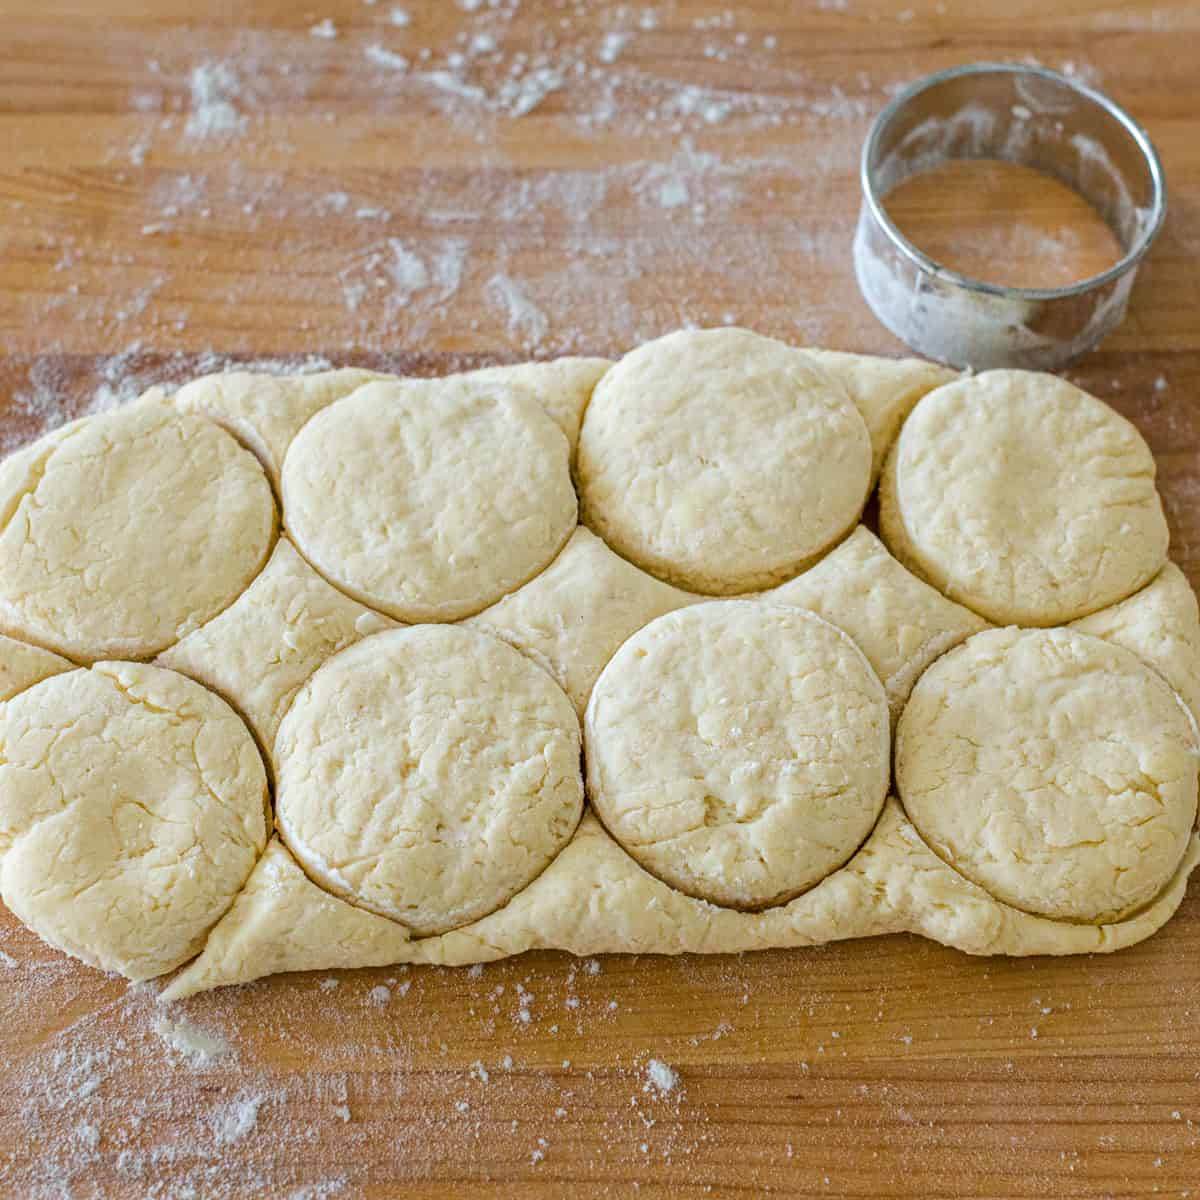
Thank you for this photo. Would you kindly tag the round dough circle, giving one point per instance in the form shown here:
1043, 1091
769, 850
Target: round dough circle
428, 774
1023, 498
1053, 769
721, 461
738, 750
430, 499
133, 807
125, 531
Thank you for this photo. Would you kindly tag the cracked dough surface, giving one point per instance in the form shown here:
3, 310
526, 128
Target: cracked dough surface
106, 532
738, 750
429, 500
265, 645
721, 461
132, 810
428, 774
574, 616
1024, 498
430, 800
1055, 770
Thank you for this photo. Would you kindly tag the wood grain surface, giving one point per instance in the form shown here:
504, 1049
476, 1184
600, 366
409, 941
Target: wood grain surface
429, 184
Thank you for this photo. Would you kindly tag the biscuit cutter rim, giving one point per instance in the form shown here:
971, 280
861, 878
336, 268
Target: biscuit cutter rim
1023, 114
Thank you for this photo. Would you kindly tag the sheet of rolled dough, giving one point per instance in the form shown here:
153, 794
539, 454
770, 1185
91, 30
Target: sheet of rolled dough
594, 899
264, 412
899, 622
572, 618
884, 391
562, 386
23, 665
1160, 624
261, 650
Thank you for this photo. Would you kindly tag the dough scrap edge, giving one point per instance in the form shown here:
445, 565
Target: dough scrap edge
1161, 625
264, 411
884, 390
595, 899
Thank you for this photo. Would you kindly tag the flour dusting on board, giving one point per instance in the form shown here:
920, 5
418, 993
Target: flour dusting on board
672, 177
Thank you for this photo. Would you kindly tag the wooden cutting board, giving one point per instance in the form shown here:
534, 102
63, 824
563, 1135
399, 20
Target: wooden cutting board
431, 184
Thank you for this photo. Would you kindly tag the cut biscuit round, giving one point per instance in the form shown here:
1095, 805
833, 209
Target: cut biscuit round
1056, 771
123, 532
1024, 498
428, 774
430, 499
133, 807
721, 461
738, 750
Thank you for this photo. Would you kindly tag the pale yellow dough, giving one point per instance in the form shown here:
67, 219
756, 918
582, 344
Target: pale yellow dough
900, 623
1161, 625
738, 750
22, 665
721, 461
121, 533
572, 618
261, 649
281, 921
428, 774
1023, 498
265, 412
429, 500
430, 787
594, 899
132, 810
562, 386
1055, 770
884, 391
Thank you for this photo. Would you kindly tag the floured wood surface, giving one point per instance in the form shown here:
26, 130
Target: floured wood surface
137, 252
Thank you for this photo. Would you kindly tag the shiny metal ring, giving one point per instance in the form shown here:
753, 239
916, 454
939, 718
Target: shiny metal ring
1026, 115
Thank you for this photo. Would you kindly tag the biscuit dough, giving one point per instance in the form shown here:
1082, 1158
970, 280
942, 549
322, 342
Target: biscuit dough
132, 810
121, 533
562, 386
1055, 770
1161, 625
721, 461
572, 618
1023, 498
428, 774
265, 412
265, 645
432, 499
430, 793
22, 665
281, 921
900, 623
594, 899
738, 750
884, 391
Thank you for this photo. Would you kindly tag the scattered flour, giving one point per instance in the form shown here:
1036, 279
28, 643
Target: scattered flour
526, 320
233, 1121
383, 57
660, 1078
214, 88
199, 1046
